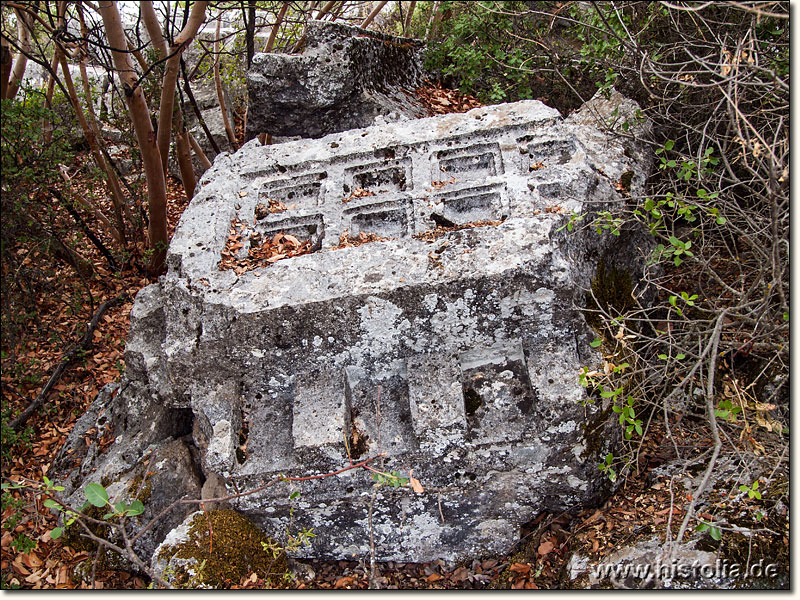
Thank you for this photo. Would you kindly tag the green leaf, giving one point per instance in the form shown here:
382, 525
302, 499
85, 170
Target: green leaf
716, 533
294, 495
663, 357
136, 508
680, 356
721, 220
669, 145
701, 527
596, 342
50, 503
96, 494
56, 533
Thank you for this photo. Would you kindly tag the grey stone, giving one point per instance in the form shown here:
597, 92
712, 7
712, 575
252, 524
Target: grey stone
345, 78
455, 355
648, 564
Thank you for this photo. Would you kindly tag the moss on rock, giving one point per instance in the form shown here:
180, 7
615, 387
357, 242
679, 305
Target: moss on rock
221, 548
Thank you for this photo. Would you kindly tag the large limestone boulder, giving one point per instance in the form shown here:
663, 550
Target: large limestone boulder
450, 351
345, 77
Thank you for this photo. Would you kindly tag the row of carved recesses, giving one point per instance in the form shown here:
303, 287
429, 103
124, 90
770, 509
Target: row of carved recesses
394, 408
272, 238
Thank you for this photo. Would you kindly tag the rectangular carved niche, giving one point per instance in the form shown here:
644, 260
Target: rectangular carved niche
320, 411
380, 411
308, 227
390, 219
480, 203
547, 151
469, 163
266, 433
383, 176
498, 396
302, 189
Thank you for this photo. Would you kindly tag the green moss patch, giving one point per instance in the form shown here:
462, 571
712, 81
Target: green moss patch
221, 549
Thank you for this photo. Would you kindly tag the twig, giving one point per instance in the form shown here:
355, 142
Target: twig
255, 490
83, 344
712, 366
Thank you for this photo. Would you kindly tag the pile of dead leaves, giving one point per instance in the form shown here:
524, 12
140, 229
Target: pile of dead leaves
441, 101
434, 234
263, 250
274, 206
357, 193
350, 241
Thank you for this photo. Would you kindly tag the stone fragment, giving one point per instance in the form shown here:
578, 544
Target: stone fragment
451, 351
345, 77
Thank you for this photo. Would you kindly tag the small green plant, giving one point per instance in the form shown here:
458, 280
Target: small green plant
605, 222
752, 491
687, 300
574, 219
12, 439
393, 479
22, 543
627, 415
675, 250
714, 532
96, 495
605, 467
727, 411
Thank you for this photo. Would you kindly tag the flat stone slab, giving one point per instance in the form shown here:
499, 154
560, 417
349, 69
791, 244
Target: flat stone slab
451, 351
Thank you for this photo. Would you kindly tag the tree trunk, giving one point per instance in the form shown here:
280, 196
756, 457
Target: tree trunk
5, 66
250, 30
140, 116
184, 156
199, 152
365, 23
325, 9
407, 22
47, 126
218, 83
171, 68
116, 193
24, 26
433, 22
273, 33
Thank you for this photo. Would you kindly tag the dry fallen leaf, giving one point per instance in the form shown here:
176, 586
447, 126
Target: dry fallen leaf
521, 568
545, 548
343, 581
415, 484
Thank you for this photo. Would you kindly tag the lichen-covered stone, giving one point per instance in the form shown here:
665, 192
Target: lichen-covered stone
452, 352
344, 78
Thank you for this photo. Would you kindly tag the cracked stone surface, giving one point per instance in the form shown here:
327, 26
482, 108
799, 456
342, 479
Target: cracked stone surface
454, 355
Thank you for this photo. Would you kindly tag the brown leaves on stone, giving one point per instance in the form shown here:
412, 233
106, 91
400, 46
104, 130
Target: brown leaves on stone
357, 193
263, 210
442, 101
348, 241
434, 234
263, 250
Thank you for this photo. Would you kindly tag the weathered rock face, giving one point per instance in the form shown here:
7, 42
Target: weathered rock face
345, 78
453, 352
